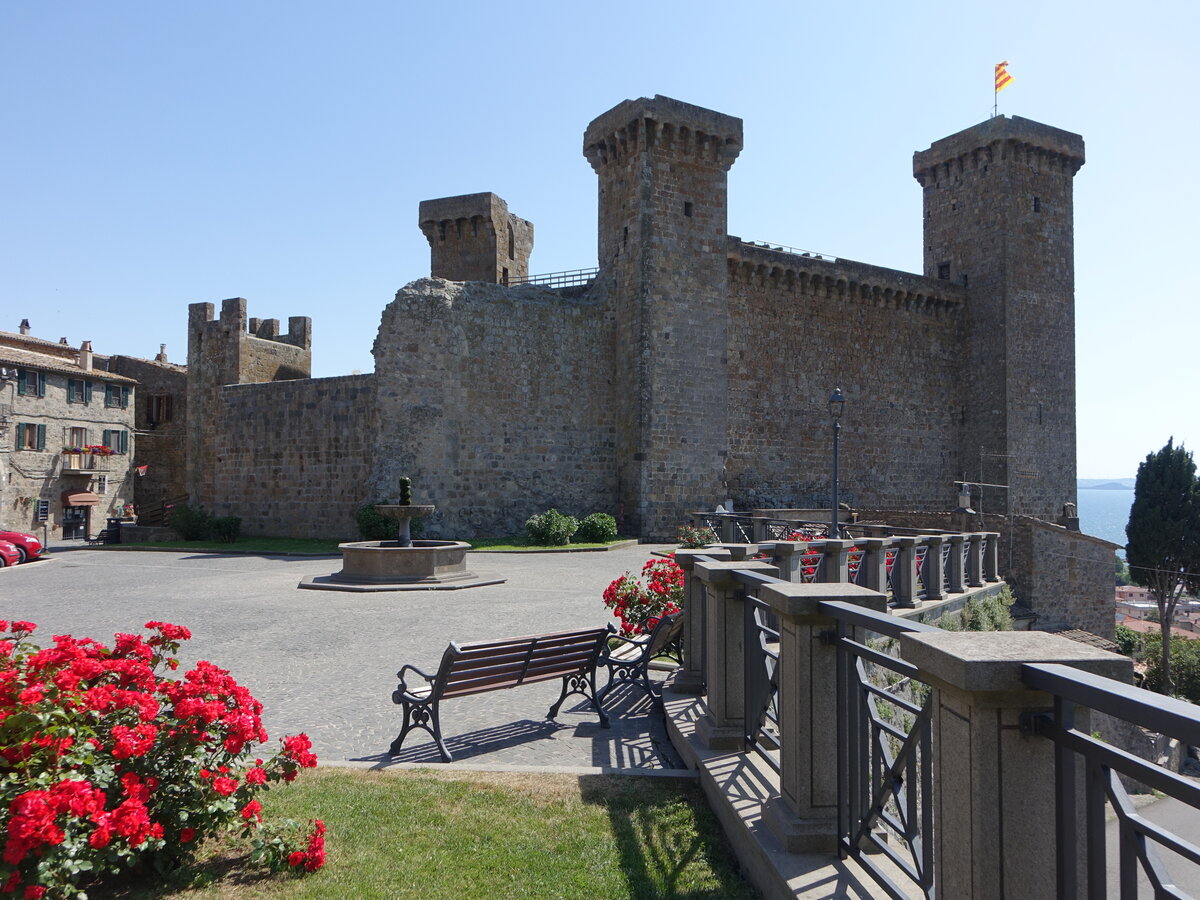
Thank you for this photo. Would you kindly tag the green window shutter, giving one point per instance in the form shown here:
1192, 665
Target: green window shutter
72, 384
41, 384
107, 437
22, 382
41, 437
87, 392
125, 440
124, 398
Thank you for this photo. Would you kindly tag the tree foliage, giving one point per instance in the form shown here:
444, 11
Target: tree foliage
1164, 535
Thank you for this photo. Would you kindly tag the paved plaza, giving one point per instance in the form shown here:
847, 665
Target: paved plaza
325, 662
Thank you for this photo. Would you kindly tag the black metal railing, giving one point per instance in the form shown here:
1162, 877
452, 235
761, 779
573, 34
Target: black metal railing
795, 251
1139, 840
761, 671
569, 278
885, 757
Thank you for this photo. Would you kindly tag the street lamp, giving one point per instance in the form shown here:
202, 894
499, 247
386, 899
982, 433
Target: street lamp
837, 405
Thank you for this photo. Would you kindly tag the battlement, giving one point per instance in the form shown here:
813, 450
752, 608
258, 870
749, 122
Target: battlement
843, 279
997, 140
665, 125
473, 237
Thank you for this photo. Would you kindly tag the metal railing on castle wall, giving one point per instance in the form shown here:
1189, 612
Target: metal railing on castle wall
916, 712
569, 278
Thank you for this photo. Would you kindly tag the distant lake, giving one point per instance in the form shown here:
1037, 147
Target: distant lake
1105, 513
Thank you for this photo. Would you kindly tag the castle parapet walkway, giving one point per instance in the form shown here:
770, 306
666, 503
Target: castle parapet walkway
915, 761
568, 278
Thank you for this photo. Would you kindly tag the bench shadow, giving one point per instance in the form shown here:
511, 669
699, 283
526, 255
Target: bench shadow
470, 745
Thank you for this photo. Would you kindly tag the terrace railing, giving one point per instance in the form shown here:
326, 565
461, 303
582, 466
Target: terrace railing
928, 757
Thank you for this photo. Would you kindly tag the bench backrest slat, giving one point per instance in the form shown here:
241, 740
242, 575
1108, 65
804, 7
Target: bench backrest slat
493, 665
668, 629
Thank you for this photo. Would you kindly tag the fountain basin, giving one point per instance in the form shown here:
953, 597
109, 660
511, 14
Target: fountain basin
389, 561
390, 566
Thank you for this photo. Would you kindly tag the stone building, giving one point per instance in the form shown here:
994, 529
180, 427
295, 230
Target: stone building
66, 437
693, 367
159, 417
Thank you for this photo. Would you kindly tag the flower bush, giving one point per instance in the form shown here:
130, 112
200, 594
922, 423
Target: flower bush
639, 606
694, 536
106, 763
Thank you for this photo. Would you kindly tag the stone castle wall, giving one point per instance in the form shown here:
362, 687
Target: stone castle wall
498, 403
1067, 575
293, 458
799, 327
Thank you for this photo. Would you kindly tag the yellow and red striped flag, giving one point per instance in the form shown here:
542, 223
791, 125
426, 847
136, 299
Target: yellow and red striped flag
1003, 79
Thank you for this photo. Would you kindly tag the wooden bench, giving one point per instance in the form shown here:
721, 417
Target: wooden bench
630, 660
497, 665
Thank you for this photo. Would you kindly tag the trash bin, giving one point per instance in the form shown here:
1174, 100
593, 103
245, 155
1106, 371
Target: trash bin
114, 530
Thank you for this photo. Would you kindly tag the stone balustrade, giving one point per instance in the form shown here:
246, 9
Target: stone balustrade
986, 775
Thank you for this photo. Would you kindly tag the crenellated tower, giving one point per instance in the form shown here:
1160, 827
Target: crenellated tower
232, 349
663, 182
473, 237
999, 221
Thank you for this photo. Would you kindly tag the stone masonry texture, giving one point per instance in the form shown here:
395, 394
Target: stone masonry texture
693, 368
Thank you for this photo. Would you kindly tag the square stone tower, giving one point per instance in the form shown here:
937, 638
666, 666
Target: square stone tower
663, 176
999, 220
473, 237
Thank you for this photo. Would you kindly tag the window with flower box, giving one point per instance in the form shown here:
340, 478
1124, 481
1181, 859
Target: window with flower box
79, 391
31, 383
31, 436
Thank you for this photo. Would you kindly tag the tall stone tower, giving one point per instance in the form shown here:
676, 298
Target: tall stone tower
474, 237
228, 350
999, 220
663, 170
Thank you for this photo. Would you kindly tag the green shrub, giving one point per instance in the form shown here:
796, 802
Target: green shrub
551, 528
226, 529
191, 523
374, 526
598, 528
1185, 665
991, 613
1130, 641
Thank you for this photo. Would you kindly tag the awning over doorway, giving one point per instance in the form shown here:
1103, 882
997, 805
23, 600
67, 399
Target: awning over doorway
80, 498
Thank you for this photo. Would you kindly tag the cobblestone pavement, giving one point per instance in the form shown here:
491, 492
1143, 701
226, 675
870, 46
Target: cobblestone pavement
325, 662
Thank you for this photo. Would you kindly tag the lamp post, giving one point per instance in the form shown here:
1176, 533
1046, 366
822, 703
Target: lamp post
837, 405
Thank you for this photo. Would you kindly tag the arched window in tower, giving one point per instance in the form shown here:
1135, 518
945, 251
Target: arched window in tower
512, 244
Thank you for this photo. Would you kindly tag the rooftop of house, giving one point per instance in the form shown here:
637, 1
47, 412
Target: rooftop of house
28, 352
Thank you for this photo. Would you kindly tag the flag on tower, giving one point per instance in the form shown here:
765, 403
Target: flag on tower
1003, 79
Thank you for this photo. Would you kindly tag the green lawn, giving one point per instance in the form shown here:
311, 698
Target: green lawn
520, 542
242, 545
317, 547
455, 835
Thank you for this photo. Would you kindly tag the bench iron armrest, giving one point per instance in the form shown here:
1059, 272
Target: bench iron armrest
403, 688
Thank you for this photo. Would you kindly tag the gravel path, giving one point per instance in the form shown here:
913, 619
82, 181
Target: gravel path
325, 662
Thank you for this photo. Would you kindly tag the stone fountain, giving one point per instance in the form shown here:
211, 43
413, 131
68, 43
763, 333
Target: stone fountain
403, 564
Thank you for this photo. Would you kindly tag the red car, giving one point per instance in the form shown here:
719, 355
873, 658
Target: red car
28, 547
9, 556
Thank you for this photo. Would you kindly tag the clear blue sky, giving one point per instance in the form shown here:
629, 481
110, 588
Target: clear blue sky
159, 154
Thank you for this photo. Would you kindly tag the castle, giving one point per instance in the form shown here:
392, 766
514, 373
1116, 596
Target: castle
693, 367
